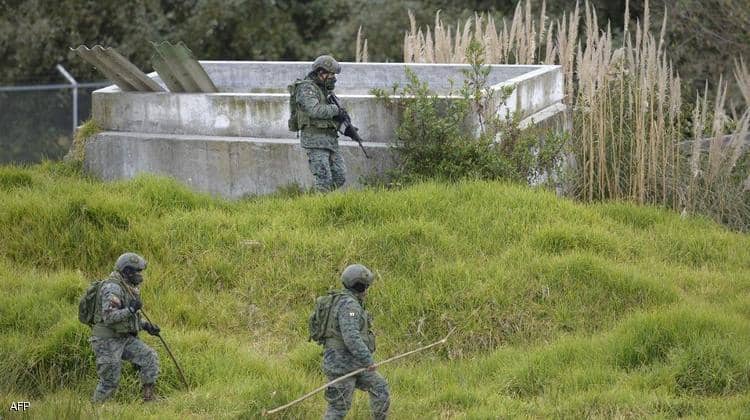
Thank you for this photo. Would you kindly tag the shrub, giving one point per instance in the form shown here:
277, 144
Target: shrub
77, 150
435, 140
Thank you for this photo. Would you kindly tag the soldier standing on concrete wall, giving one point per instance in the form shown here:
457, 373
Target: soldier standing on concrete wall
318, 121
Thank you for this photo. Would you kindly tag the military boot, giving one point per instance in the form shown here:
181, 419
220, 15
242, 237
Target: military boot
148, 393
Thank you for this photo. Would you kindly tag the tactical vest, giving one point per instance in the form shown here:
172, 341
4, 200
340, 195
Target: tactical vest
336, 341
128, 326
303, 118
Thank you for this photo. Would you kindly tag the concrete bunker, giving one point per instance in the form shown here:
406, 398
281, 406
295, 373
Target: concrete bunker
236, 143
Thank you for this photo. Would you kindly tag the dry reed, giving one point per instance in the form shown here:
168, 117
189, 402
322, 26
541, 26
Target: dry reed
360, 55
627, 101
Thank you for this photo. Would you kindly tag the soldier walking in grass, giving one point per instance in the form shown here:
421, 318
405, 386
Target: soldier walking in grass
116, 323
343, 326
317, 120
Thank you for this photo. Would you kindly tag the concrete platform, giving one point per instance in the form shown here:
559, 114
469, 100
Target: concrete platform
232, 167
236, 143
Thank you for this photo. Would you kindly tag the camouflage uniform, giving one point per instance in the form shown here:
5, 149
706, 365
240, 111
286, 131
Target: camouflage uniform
327, 168
350, 349
319, 135
115, 338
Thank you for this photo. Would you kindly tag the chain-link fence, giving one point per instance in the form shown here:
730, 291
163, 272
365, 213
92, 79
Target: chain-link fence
37, 122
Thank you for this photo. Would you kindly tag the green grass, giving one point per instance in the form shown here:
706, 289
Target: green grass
561, 309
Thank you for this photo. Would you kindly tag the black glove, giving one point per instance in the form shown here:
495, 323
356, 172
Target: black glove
343, 115
135, 305
151, 328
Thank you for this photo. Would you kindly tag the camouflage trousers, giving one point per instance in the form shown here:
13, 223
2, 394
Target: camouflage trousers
339, 395
110, 352
327, 167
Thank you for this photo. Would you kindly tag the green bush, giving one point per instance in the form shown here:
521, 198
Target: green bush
435, 139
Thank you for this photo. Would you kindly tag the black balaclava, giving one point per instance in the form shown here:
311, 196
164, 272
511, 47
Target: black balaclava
359, 290
328, 84
132, 276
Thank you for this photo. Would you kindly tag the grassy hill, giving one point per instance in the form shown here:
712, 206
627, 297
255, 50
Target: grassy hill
561, 309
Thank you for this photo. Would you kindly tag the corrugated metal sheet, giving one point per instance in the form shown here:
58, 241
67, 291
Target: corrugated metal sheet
118, 69
179, 70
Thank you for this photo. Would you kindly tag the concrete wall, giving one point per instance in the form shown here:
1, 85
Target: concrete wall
265, 114
228, 114
532, 92
355, 78
231, 167
236, 142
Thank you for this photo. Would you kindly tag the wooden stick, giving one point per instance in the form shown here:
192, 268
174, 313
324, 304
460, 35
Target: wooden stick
177, 365
356, 372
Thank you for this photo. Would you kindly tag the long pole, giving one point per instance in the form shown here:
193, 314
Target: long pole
179, 369
357, 372
74, 83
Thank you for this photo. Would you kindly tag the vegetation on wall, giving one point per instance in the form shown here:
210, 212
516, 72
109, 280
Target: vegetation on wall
464, 137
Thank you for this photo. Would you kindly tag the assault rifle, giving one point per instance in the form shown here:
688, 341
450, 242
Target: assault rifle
346, 122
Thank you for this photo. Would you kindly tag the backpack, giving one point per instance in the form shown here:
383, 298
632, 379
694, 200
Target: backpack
87, 306
321, 322
293, 122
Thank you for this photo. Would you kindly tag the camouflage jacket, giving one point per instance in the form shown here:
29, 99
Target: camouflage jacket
354, 335
316, 116
113, 318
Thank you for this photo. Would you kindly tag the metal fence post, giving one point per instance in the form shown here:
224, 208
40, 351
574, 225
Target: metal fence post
74, 83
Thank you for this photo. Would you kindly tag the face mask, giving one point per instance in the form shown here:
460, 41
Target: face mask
137, 278
133, 277
359, 287
330, 83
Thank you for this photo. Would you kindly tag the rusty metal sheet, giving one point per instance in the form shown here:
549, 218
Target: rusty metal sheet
179, 70
118, 69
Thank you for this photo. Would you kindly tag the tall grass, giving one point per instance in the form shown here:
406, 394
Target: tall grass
718, 174
629, 118
561, 309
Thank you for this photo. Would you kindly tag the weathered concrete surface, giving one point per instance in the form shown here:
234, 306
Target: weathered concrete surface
236, 142
556, 118
532, 92
265, 115
231, 167
355, 78
228, 114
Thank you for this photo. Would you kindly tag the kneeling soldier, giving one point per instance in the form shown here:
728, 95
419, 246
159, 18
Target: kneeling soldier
115, 331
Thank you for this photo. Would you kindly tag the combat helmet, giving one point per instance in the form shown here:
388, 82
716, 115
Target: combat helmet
327, 63
357, 274
130, 260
